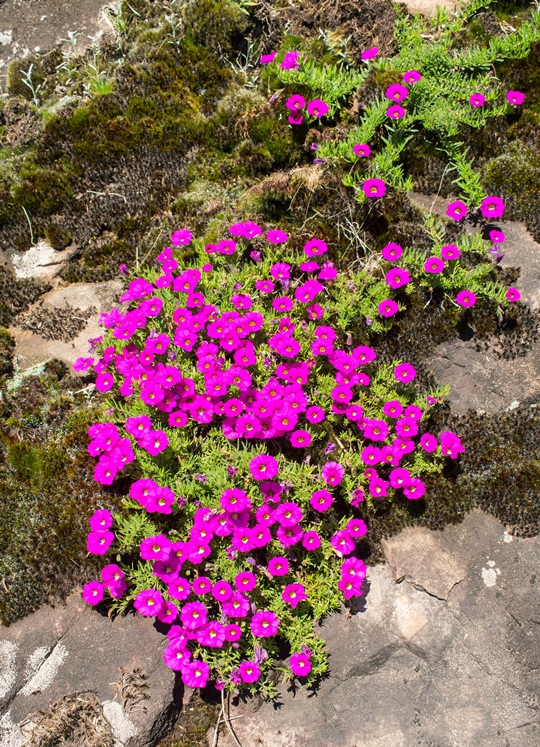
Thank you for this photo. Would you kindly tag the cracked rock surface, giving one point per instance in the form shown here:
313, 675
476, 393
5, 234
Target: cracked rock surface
72, 653
444, 651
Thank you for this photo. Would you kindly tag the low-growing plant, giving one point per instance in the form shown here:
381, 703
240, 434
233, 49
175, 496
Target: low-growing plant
260, 432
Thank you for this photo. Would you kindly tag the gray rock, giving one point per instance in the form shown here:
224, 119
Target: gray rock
445, 654
32, 349
60, 652
482, 381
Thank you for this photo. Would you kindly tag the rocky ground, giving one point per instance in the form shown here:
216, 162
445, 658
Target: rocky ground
442, 651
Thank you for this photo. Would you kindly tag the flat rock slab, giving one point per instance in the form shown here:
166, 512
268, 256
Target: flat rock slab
30, 26
429, 7
71, 650
481, 381
446, 652
32, 349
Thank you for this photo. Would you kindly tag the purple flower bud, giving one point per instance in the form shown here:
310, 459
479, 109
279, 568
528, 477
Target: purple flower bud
251, 561
369, 321
273, 97
181, 501
314, 146
255, 256
201, 478
330, 447
232, 470
319, 160
94, 342
123, 269
171, 355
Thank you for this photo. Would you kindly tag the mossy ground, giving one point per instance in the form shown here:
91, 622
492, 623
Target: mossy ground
187, 136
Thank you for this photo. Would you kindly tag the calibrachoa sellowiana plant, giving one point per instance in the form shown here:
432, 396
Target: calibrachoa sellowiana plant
256, 430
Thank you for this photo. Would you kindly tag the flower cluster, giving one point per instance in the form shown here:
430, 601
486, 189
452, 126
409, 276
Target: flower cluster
249, 363
296, 103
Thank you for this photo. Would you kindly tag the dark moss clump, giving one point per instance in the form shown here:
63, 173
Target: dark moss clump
16, 295
515, 176
47, 492
7, 346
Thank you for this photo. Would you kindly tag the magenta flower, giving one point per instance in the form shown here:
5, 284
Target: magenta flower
342, 543
247, 230
311, 541
264, 624
222, 591
233, 632
249, 671
396, 92
428, 442
276, 236
300, 439
456, 210
415, 489
317, 108
245, 581
92, 593
315, 414
332, 473
195, 674
477, 100
193, 615
315, 247
288, 514
391, 252
278, 566
450, 252
411, 76
99, 542
369, 54
395, 112
176, 657
388, 308
290, 61
466, 298
492, 207
212, 635
357, 528
515, 98
362, 150
293, 594
321, 500
404, 373
104, 382
350, 587
397, 277
263, 467
236, 606
300, 664
157, 547
295, 102
433, 265
149, 603
295, 119
392, 408
202, 585
182, 237
179, 589
282, 305
450, 444
512, 294
101, 520
267, 58
374, 187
